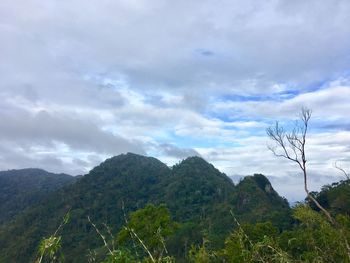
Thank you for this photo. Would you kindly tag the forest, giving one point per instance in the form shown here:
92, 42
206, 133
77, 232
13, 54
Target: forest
133, 208
136, 131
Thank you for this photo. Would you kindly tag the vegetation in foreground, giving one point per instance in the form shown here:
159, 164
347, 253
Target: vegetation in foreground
197, 195
317, 231
148, 232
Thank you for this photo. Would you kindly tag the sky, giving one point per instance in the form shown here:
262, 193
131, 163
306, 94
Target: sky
82, 81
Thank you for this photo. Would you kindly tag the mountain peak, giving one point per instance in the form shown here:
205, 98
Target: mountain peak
194, 191
130, 165
34, 171
260, 181
263, 182
129, 160
195, 161
198, 169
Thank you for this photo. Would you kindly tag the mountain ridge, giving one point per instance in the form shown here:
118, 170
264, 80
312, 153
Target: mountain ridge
22, 188
194, 191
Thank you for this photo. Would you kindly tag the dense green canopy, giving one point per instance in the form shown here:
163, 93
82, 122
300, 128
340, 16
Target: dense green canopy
198, 196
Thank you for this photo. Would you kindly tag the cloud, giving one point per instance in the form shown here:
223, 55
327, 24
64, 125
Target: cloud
252, 156
179, 153
44, 128
329, 102
171, 79
60, 41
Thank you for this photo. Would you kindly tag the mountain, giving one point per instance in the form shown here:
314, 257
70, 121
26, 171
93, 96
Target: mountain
194, 187
253, 191
20, 189
196, 193
127, 180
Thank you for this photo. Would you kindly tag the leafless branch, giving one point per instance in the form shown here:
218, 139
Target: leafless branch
342, 170
100, 234
245, 235
127, 223
111, 235
292, 147
142, 243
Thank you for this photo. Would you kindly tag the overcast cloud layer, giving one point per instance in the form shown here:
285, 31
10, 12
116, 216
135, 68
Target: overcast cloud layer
84, 80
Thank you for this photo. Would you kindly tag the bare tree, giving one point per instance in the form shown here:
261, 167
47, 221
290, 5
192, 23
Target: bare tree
347, 176
291, 145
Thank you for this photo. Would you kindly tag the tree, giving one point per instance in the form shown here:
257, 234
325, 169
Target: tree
50, 247
150, 226
291, 145
347, 176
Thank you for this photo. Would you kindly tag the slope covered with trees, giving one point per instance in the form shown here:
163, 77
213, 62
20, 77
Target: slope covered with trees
20, 189
335, 197
199, 198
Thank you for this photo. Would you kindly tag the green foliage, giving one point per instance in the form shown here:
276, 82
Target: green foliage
20, 189
201, 254
254, 243
236, 248
120, 256
258, 231
180, 242
49, 248
150, 226
256, 200
198, 196
314, 239
334, 197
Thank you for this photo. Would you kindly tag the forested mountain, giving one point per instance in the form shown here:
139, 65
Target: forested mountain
335, 197
198, 196
256, 200
20, 189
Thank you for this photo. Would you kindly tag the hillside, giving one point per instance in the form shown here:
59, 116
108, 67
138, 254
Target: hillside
335, 197
253, 191
196, 193
20, 189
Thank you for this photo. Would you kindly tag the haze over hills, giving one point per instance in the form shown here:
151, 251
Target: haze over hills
196, 193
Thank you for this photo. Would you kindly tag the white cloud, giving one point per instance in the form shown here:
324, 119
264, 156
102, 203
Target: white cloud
83, 80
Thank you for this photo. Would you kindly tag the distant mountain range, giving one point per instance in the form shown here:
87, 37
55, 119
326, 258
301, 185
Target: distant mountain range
20, 189
198, 195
